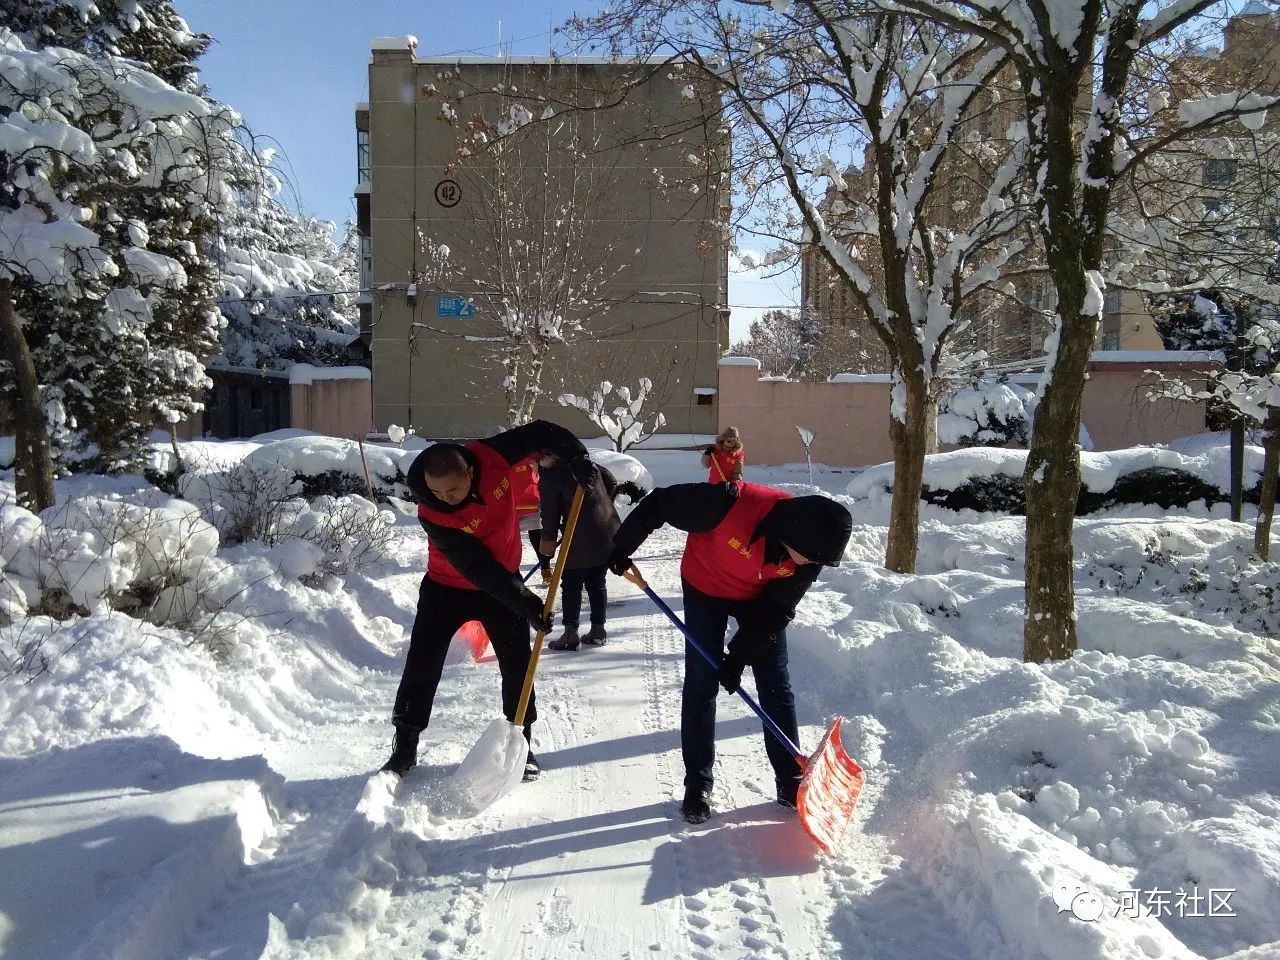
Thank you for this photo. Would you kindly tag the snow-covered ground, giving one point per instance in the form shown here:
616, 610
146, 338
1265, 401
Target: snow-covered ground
201, 784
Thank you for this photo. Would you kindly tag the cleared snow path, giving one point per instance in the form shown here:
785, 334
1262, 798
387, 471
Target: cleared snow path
593, 860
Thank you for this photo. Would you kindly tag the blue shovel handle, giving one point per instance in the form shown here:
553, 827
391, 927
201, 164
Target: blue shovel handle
706, 655
532, 570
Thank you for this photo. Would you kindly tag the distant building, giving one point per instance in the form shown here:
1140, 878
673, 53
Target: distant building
435, 365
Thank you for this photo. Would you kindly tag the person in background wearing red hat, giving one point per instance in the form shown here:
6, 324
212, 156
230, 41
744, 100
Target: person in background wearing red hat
751, 554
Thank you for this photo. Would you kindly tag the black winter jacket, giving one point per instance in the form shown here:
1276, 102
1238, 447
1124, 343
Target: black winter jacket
598, 522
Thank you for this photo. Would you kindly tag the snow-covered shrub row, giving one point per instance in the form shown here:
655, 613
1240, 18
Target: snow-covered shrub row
989, 479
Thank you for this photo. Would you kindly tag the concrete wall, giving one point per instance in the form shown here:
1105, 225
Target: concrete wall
850, 420
336, 408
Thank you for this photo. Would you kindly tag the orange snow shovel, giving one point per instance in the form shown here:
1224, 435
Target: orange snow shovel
832, 779
496, 763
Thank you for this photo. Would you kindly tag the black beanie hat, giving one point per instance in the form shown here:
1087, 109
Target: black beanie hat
816, 527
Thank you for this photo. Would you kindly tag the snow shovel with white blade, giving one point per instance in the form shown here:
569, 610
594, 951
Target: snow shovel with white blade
496, 763
831, 778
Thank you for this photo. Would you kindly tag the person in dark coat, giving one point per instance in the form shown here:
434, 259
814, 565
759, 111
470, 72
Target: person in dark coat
752, 553
467, 505
586, 565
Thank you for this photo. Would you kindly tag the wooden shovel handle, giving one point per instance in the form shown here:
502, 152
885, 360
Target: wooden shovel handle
526, 692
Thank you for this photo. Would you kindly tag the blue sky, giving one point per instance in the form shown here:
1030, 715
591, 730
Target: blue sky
295, 69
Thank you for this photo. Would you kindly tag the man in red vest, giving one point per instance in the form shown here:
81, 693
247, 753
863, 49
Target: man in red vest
751, 554
467, 504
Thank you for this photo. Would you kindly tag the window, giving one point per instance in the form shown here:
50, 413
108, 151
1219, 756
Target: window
1219, 172
705, 400
1213, 206
366, 261
1111, 301
362, 156
1111, 340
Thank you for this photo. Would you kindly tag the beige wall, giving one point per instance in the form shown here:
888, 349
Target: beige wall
335, 408
668, 291
850, 421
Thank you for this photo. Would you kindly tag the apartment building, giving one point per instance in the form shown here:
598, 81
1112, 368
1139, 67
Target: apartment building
445, 223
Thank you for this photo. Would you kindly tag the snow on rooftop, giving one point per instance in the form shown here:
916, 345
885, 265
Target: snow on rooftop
1255, 8
739, 362
307, 373
1157, 356
406, 42
705, 391
859, 378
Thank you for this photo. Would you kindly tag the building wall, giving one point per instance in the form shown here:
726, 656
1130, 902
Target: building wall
850, 420
667, 320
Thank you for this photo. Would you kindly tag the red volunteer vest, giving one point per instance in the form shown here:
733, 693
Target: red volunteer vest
724, 562
493, 521
524, 481
723, 463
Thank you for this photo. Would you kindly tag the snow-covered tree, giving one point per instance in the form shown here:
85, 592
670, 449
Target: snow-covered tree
986, 413
148, 31
534, 261
1075, 61
284, 285
786, 342
108, 177
624, 419
930, 217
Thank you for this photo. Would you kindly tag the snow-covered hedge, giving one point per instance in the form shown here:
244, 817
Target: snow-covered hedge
989, 479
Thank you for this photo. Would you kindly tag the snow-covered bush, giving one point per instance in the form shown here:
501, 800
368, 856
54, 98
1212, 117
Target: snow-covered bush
624, 420
988, 413
91, 554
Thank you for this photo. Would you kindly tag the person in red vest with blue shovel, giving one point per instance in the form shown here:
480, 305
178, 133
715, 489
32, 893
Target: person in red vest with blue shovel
467, 503
752, 553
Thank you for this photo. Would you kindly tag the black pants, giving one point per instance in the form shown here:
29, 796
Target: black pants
593, 578
543, 560
707, 619
441, 611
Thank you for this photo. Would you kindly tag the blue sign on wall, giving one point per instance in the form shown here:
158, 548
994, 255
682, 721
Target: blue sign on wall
454, 307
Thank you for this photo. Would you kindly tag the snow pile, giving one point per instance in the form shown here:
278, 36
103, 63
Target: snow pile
625, 468
381, 843
167, 832
1133, 766
92, 552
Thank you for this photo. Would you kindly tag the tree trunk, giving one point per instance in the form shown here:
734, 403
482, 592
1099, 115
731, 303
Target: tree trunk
1267, 493
511, 362
533, 384
931, 420
908, 435
33, 463
1052, 481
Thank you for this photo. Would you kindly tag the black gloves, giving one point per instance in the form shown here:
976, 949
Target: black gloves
531, 609
583, 470
731, 670
747, 648
730, 488
619, 562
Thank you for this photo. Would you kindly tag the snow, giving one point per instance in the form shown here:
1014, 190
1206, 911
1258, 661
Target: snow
739, 362
860, 378
308, 374
177, 798
406, 42
1099, 471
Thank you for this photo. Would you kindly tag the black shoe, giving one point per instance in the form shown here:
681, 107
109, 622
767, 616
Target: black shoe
532, 769
595, 636
787, 794
696, 806
566, 641
404, 752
